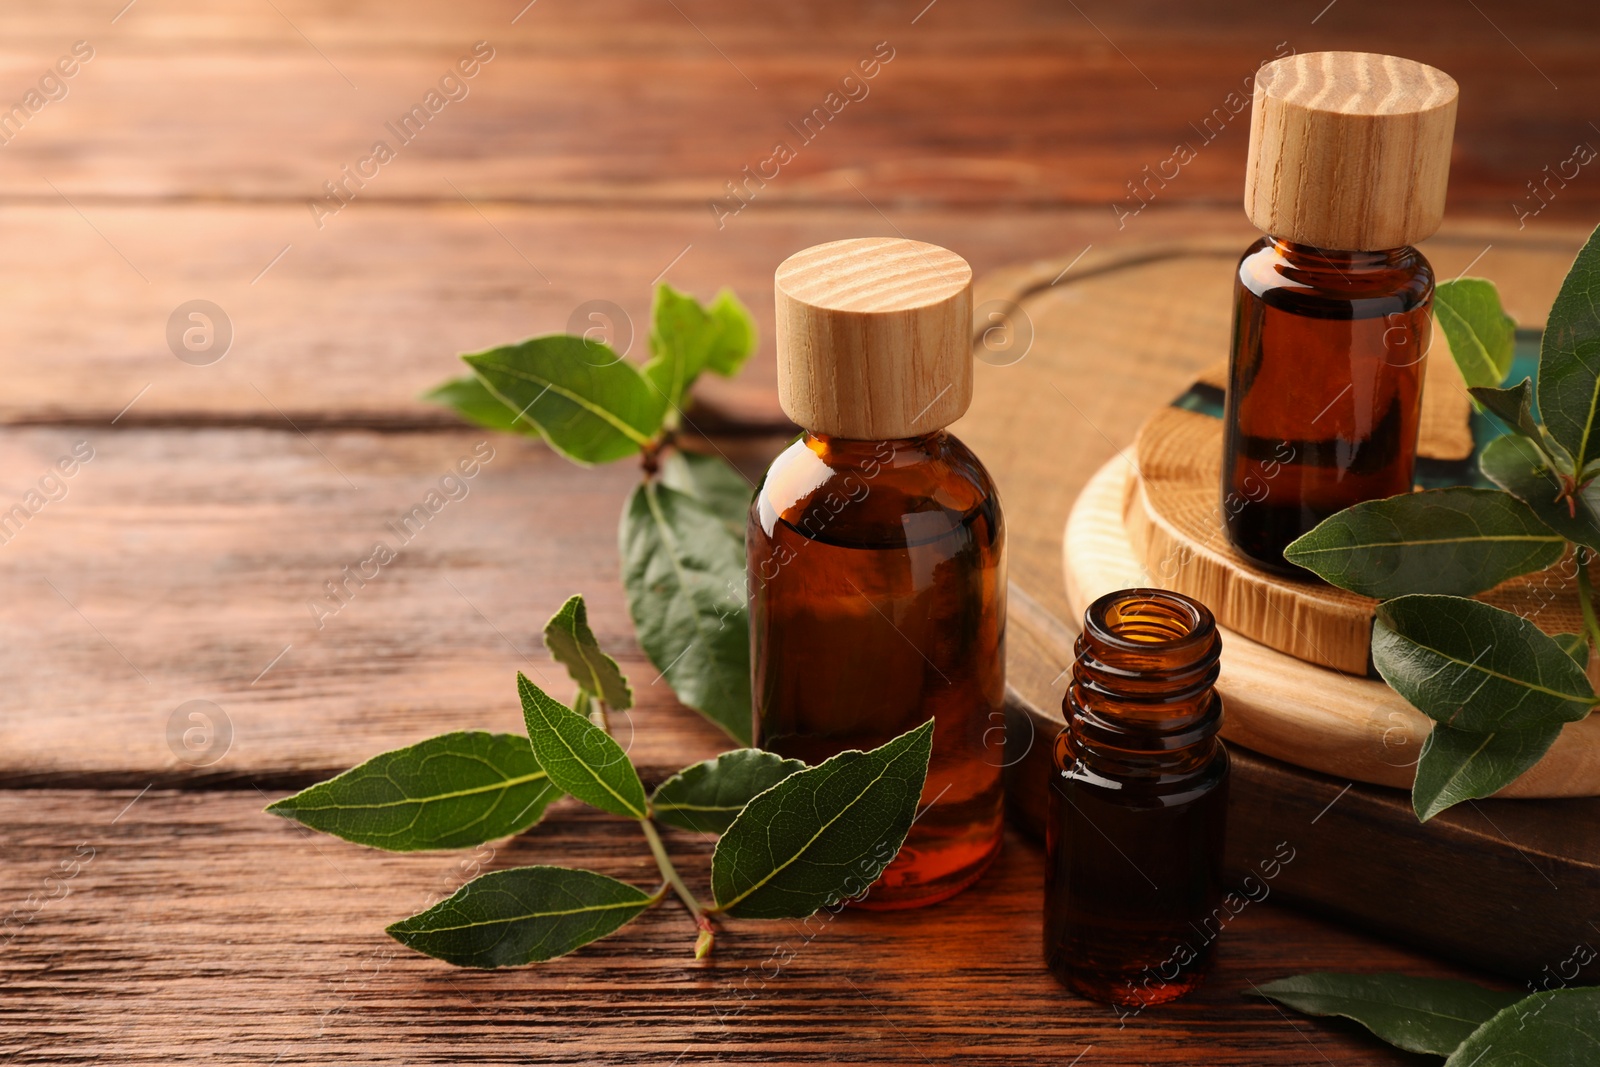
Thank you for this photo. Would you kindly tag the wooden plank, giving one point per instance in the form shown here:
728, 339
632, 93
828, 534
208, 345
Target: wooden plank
192, 565
983, 103
198, 929
406, 287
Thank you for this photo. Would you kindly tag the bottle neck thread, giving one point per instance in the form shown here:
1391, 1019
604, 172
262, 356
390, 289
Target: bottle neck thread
1144, 678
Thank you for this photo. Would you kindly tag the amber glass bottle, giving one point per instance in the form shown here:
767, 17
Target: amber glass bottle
876, 548
1325, 389
1138, 803
1349, 159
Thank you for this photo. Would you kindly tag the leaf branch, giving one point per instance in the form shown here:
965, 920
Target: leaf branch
702, 946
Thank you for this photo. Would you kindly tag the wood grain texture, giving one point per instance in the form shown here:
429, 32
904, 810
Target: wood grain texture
874, 337
351, 324
192, 565
1350, 150
201, 930
639, 102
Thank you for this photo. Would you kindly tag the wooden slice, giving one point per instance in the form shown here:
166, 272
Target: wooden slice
1276, 704
1174, 525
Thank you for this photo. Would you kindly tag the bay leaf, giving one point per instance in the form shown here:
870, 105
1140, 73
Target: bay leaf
821, 834
684, 574
1559, 1028
452, 791
471, 399
573, 645
1516, 465
1481, 334
1476, 667
580, 757
1450, 541
1569, 359
589, 403
522, 915
708, 796
1457, 765
1417, 1014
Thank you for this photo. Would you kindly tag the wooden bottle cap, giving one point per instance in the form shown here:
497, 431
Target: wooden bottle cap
1349, 150
874, 337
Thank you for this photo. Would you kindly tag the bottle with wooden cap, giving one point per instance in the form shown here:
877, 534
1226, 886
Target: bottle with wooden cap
876, 563
1349, 158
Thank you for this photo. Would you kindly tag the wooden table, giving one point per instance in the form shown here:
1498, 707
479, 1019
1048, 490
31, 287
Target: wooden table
579, 166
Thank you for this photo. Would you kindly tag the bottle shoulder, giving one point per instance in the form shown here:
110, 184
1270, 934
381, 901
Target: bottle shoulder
899, 490
1339, 284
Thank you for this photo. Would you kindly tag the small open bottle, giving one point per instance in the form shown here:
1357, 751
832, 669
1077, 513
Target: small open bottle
876, 564
1349, 159
1138, 802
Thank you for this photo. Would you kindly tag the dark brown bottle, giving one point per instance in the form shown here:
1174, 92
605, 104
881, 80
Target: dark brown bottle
1138, 802
1324, 387
1349, 161
876, 548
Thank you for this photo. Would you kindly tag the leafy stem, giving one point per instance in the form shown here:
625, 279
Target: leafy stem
674, 879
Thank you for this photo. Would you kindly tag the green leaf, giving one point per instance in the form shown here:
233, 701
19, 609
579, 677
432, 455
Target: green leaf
1513, 406
1457, 765
708, 795
522, 915
573, 645
1574, 645
580, 758
1569, 359
1481, 334
1559, 1028
687, 338
471, 399
823, 833
713, 482
1475, 667
1452, 541
1417, 1014
1516, 465
685, 578
592, 405
452, 791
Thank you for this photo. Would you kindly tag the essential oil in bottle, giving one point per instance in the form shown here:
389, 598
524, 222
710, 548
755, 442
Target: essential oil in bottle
876, 547
1349, 159
1138, 801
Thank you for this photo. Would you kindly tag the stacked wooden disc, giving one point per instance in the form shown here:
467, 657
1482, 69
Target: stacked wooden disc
1296, 672
1174, 524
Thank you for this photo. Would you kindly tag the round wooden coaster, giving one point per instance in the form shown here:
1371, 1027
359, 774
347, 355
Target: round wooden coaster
1280, 705
1174, 522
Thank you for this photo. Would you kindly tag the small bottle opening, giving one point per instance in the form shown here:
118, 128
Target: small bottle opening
1149, 619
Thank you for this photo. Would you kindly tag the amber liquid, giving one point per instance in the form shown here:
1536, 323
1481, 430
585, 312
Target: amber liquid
1324, 388
877, 602
1138, 800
